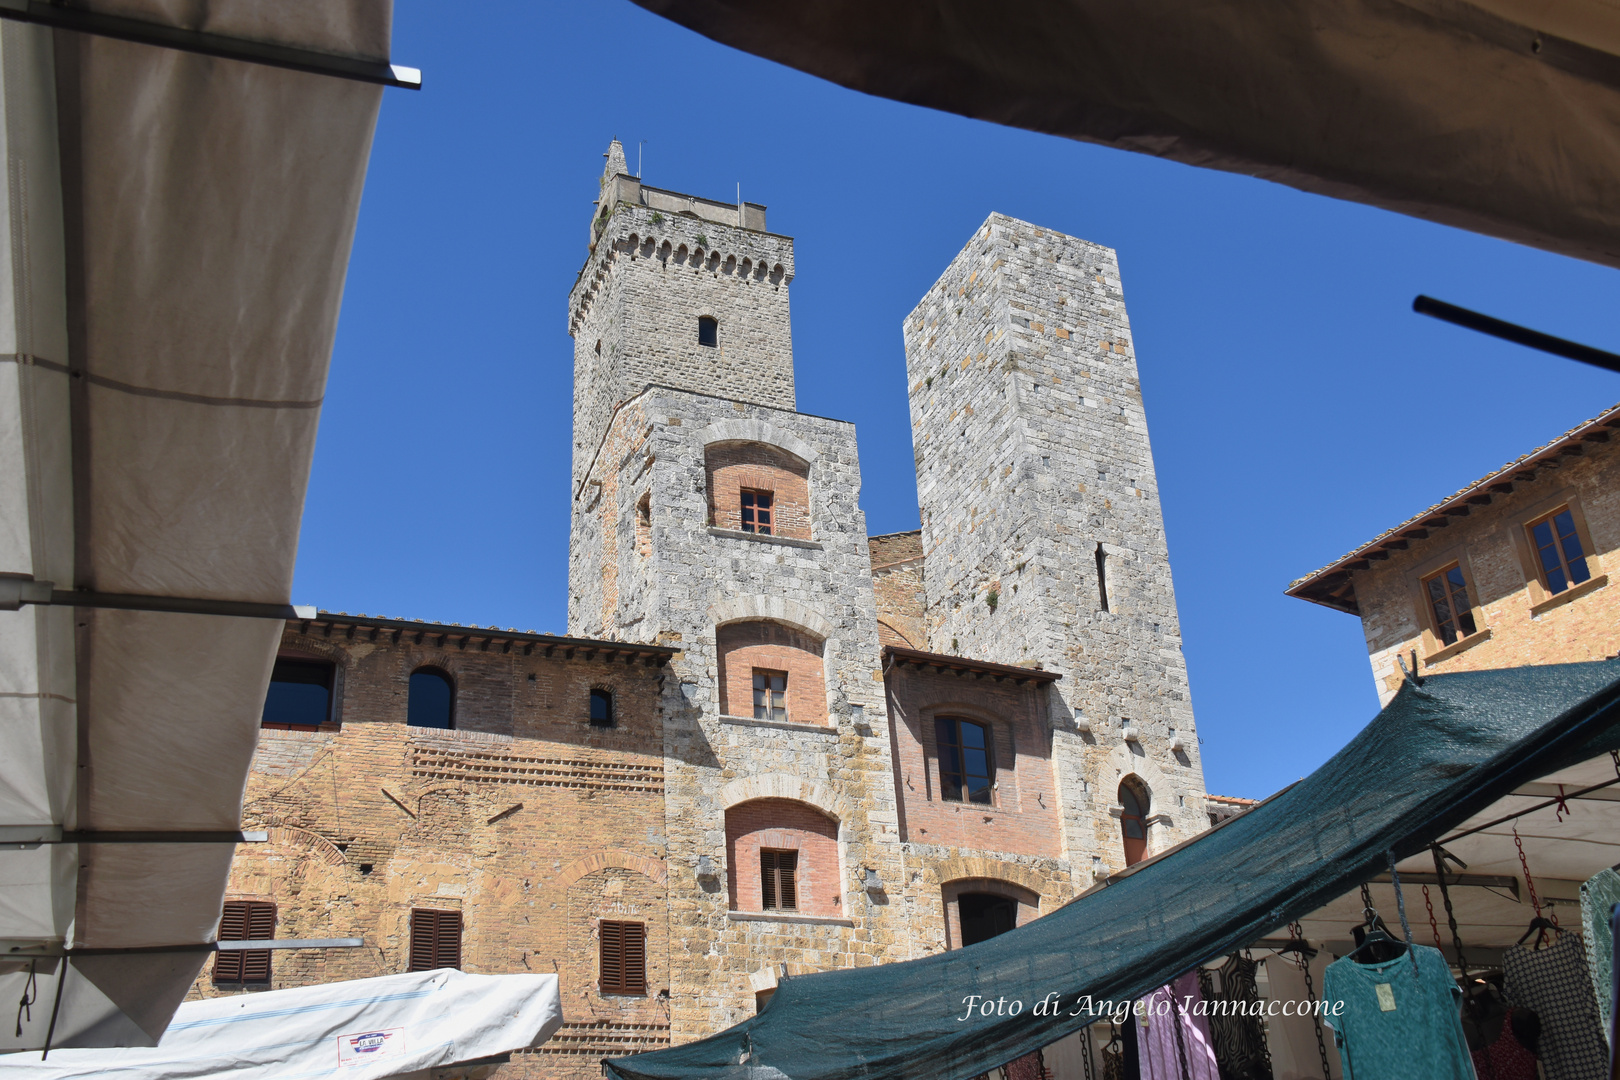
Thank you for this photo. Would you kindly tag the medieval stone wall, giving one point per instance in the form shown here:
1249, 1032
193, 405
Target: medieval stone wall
1034, 471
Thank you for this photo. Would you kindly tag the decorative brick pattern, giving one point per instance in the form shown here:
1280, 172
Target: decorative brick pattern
745, 647
790, 826
430, 763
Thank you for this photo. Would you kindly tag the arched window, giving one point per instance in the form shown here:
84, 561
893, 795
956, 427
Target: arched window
782, 857
432, 700
1133, 820
601, 707
967, 769
708, 331
985, 915
771, 672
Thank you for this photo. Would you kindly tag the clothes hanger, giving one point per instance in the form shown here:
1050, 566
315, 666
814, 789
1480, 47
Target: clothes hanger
1539, 926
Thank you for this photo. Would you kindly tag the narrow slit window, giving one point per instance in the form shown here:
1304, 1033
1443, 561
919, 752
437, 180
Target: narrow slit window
435, 939
601, 708
756, 511
1102, 577
770, 695
1447, 595
966, 771
708, 331
245, 920
622, 957
1560, 557
778, 880
1133, 822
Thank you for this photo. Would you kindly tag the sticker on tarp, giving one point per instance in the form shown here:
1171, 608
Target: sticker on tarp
364, 1047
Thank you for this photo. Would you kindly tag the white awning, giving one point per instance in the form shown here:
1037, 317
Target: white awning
365, 1029
176, 234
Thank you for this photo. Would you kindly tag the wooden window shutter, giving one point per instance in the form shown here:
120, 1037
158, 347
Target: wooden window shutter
767, 880
435, 939
245, 920
623, 954
787, 888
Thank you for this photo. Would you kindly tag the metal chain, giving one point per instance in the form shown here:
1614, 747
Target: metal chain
1434, 927
1181, 1038
1451, 916
1265, 1047
1085, 1052
1297, 934
1530, 882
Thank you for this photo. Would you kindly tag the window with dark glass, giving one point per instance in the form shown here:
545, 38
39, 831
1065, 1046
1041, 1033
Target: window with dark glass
756, 512
245, 920
1133, 822
300, 695
1447, 595
601, 708
984, 916
622, 956
1559, 554
435, 939
432, 699
770, 695
966, 771
708, 331
778, 880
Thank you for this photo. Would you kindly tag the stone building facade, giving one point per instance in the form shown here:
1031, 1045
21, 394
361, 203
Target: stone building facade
1511, 570
825, 749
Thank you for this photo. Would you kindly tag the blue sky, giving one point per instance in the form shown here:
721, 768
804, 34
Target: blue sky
1296, 405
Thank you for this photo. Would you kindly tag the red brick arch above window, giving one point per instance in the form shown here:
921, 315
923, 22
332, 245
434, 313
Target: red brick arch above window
767, 475
600, 860
782, 656
763, 827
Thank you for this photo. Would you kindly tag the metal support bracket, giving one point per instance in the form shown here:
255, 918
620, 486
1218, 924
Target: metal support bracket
17, 590
13, 950
28, 837
196, 41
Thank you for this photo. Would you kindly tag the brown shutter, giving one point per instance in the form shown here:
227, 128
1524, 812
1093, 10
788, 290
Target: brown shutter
787, 886
424, 933
245, 920
611, 935
635, 958
767, 880
447, 940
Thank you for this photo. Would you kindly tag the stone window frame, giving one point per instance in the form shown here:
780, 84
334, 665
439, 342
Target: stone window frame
1541, 598
1432, 648
1004, 754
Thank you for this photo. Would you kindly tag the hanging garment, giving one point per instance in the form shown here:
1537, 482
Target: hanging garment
1614, 997
1295, 1053
1555, 983
1598, 897
1393, 1024
1170, 1029
1240, 1045
1028, 1067
1510, 1053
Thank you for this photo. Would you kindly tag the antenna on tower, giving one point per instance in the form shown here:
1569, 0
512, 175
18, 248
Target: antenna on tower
739, 204
638, 158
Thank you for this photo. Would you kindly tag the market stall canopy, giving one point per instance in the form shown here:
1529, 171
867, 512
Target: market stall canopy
1439, 753
1501, 116
364, 1029
182, 187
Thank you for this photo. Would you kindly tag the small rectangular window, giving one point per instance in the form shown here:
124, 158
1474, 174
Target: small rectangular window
601, 708
245, 920
770, 695
435, 939
966, 771
778, 880
1447, 597
300, 695
756, 512
708, 331
623, 956
1560, 558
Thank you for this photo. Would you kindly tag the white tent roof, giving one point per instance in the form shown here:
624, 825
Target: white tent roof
395, 1025
171, 269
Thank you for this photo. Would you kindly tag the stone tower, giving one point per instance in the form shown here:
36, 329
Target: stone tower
1042, 535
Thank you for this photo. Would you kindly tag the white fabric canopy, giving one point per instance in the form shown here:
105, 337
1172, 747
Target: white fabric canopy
176, 233
395, 1025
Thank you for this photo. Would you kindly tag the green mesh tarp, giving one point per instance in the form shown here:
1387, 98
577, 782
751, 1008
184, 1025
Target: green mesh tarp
1438, 754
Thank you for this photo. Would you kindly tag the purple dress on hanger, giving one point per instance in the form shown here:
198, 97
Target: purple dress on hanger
1157, 1033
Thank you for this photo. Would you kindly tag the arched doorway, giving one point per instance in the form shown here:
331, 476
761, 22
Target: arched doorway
1133, 798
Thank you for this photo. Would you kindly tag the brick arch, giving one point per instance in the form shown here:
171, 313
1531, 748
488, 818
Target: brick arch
783, 786
976, 866
308, 843
758, 431
601, 860
772, 609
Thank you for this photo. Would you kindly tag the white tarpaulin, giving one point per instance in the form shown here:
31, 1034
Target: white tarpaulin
395, 1025
173, 243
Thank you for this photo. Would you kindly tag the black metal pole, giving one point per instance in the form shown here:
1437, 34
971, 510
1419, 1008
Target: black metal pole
1519, 335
